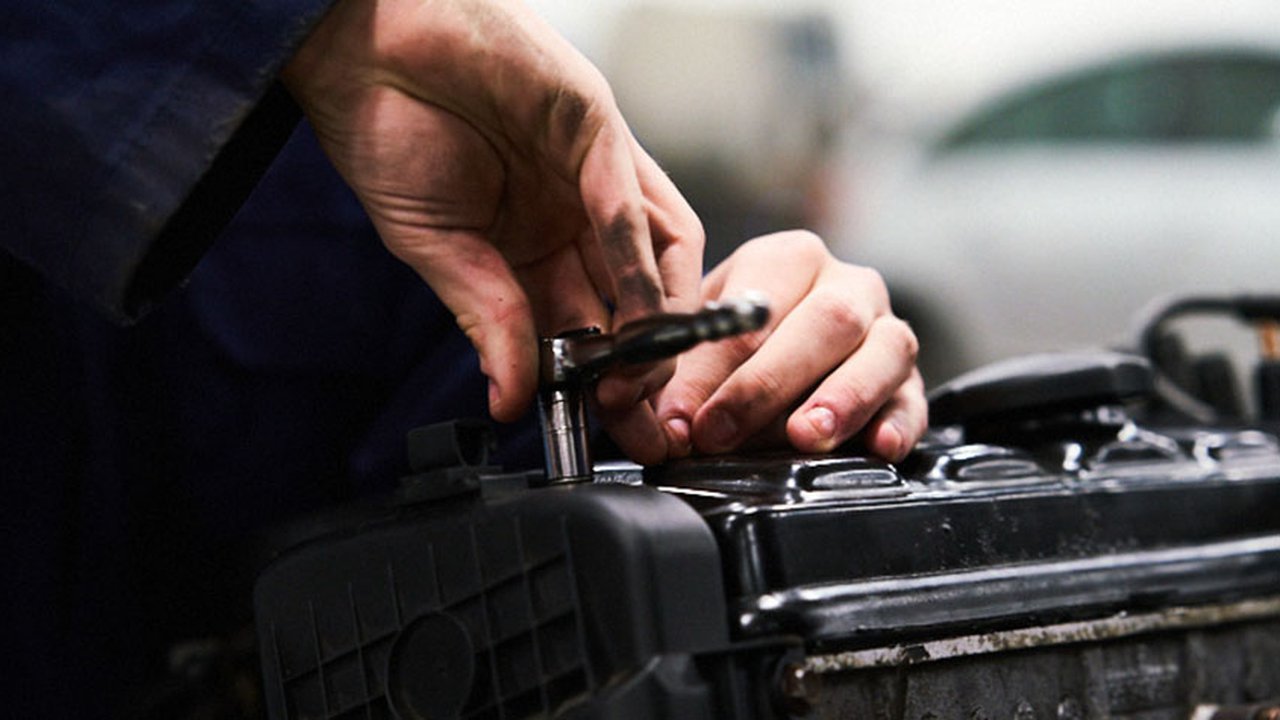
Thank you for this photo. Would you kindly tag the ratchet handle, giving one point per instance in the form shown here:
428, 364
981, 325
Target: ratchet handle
580, 356
664, 336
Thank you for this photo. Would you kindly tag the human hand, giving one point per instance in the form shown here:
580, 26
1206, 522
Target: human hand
832, 360
492, 159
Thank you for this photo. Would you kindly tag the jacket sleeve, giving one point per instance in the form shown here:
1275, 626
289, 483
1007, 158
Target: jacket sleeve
132, 131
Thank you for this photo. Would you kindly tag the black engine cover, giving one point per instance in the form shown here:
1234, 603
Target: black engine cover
1089, 566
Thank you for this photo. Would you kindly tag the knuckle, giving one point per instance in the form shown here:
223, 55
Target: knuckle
622, 233
804, 245
638, 288
746, 395
740, 347
853, 398
689, 230
596, 86
797, 248
840, 310
916, 382
691, 394
805, 241
566, 110
619, 229
765, 383
692, 385
872, 281
902, 337
570, 114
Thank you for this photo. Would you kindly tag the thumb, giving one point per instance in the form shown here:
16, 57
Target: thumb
475, 282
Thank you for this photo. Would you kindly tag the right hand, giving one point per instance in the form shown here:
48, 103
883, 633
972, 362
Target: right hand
492, 159
832, 361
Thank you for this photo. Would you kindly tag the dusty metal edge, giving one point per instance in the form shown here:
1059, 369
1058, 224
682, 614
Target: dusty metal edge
1115, 626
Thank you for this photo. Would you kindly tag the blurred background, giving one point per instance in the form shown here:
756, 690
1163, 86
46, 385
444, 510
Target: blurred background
1026, 175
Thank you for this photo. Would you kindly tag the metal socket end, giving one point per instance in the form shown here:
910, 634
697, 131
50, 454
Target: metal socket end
570, 362
563, 417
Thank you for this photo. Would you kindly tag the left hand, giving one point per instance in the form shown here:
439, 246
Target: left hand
492, 158
833, 360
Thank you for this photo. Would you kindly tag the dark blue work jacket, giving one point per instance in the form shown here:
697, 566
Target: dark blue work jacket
280, 377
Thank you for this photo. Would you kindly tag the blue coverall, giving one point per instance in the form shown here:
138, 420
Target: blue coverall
279, 376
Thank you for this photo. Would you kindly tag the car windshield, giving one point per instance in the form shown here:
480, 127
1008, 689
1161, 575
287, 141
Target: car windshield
1203, 96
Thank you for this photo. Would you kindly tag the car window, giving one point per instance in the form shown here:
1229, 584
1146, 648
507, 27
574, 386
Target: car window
1187, 97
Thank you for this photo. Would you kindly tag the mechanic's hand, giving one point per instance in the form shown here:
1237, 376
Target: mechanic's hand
832, 360
492, 159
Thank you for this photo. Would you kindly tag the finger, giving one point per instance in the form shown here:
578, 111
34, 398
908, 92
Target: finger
633, 426
817, 336
901, 422
753, 267
891, 434
678, 242
548, 283
848, 398
676, 233
622, 386
471, 277
699, 373
616, 208
562, 294
636, 432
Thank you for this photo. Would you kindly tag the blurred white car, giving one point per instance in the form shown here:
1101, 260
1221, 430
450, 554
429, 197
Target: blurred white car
1049, 215
1026, 175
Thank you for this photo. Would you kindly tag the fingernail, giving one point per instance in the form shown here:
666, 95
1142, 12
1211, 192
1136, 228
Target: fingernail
823, 422
678, 436
722, 430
